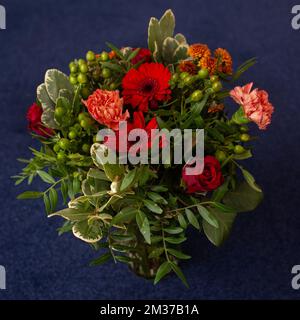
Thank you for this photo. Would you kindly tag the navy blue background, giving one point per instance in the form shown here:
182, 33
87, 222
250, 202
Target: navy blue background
256, 261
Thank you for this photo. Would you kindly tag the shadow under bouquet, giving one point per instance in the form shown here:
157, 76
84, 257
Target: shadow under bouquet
118, 137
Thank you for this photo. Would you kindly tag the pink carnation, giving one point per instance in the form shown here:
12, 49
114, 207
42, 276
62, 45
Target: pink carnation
106, 107
255, 104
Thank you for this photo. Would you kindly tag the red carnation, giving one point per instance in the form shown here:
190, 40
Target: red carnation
34, 115
144, 54
210, 179
147, 85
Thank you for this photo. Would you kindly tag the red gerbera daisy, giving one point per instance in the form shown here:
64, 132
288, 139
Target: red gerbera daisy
146, 86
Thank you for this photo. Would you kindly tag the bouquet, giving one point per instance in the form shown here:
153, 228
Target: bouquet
138, 146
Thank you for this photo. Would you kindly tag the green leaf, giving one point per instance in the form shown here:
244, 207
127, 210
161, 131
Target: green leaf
219, 193
47, 203
243, 198
112, 66
225, 221
97, 174
143, 224
179, 273
182, 221
250, 180
30, 195
207, 216
53, 198
152, 206
246, 155
48, 107
116, 50
157, 198
173, 240
159, 189
101, 260
198, 106
71, 214
123, 259
178, 254
64, 190
173, 230
86, 231
162, 271
56, 80
46, 177
223, 207
192, 218
128, 180
125, 215
133, 54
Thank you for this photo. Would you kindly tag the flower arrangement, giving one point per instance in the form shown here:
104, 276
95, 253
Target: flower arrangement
138, 213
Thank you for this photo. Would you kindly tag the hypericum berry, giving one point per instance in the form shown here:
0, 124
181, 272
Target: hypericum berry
203, 73
59, 112
83, 68
85, 123
82, 116
113, 86
72, 135
86, 148
96, 74
239, 149
56, 148
82, 78
104, 56
73, 79
61, 156
77, 127
220, 155
183, 75
245, 137
81, 61
217, 86
90, 56
106, 73
64, 143
214, 79
188, 80
196, 95
85, 92
175, 77
73, 67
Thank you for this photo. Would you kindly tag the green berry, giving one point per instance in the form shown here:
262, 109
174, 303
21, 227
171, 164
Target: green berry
183, 75
188, 80
73, 79
82, 116
90, 56
61, 156
64, 143
104, 56
81, 61
175, 77
82, 78
239, 149
113, 86
85, 123
86, 148
83, 68
196, 95
96, 74
209, 91
106, 73
203, 73
56, 148
244, 129
214, 78
72, 135
73, 67
220, 155
59, 112
245, 137
85, 93
217, 86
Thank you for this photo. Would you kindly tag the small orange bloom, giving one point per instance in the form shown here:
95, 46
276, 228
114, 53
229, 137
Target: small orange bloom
224, 61
199, 51
112, 55
188, 66
214, 108
209, 63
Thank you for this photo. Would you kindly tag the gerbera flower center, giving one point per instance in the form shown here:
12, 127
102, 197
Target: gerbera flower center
149, 86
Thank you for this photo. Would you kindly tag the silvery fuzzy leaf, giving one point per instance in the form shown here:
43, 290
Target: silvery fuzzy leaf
167, 24
169, 47
154, 34
180, 38
181, 53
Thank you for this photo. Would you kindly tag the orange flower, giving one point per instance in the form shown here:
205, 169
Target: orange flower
199, 51
224, 61
106, 107
112, 55
209, 63
188, 66
214, 108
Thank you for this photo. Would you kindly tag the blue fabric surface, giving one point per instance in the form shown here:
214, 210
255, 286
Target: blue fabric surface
256, 261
